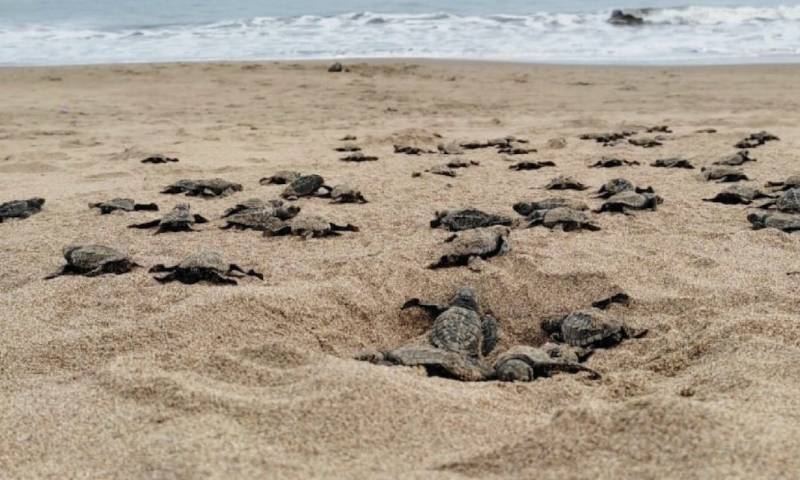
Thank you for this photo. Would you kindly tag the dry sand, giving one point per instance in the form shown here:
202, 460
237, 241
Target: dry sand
120, 377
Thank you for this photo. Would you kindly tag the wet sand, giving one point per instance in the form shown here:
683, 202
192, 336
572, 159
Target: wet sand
121, 377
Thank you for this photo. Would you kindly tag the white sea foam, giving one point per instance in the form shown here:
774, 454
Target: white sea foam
674, 35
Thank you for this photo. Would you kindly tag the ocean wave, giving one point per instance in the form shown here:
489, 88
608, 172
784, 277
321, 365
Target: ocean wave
672, 35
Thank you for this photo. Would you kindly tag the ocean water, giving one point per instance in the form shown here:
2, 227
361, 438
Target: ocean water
54, 32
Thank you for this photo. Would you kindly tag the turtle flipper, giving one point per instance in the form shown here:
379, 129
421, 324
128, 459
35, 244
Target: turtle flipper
489, 329
431, 309
252, 273
621, 297
170, 277
629, 332
65, 270
546, 369
200, 219
343, 228
161, 268
145, 225
218, 279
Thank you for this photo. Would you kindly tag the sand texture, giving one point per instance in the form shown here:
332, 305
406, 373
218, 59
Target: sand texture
122, 377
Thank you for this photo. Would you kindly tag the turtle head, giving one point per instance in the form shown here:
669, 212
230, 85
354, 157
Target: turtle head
288, 212
552, 325
514, 370
523, 208
37, 202
757, 219
465, 297
437, 221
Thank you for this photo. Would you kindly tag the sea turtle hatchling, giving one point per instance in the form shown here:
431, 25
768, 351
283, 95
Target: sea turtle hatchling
358, 157
782, 221
124, 205
630, 200
564, 218
442, 170
159, 158
93, 260
619, 185
348, 147
460, 326
282, 177
212, 187
306, 186
257, 203
673, 162
756, 140
20, 208
308, 226
589, 328
462, 248
260, 218
613, 162
737, 195
531, 165
645, 142
205, 266
467, 218
435, 361
789, 202
564, 183
527, 208
722, 174
344, 193
179, 219
793, 181
736, 159
522, 363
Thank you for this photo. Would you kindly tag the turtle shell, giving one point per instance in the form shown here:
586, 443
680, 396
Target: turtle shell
90, 257
781, 221
565, 183
568, 219
591, 327
304, 186
789, 202
458, 330
527, 208
673, 162
615, 186
207, 260
280, 178
21, 208
440, 363
465, 219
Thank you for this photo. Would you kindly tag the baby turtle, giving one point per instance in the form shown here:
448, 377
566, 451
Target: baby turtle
464, 247
254, 204
310, 226
410, 150
452, 148
566, 219
436, 362
179, 219
792, 181
461, 163
337, 68
20, 208
527, 208
589, 328
722, 174
515, 150
531, 165
608, 139
348, 147
305, 186
467, 218
260, 218
645, 142
789, 202
346, 194
613, 162
673, 162
123, 204
756, 140
281, 178
781, 221
213, 187
203, 267
736, 159
659, 129
460, 326
359, 157
93, 260
737, 195
348, 138
630, 200
158, 158
565, 183
443, 170
522, 363
619, 185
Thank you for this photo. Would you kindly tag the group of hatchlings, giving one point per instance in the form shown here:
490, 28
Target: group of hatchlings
462, 334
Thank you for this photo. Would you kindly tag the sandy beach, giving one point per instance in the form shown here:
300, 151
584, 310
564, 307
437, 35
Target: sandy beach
119, 376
